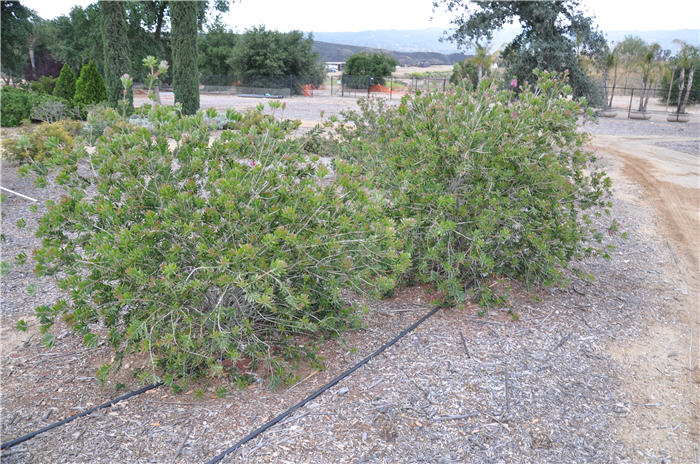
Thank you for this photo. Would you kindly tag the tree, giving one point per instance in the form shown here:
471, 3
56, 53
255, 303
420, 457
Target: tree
465, 70
116, 52
90, 86
14, 38
65, 85
685, 90
265, 58
375, 65
555, 36
649, 66
215, 50
184, 55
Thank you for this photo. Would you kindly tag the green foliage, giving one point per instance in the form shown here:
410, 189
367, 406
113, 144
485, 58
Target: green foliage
38, 144
262, 54
555, 37
116, 53
47, 108
14, 37
15, 106
464, 71
376, 65
210, 256
184, 49
485, 185
90, 87
45, 84
65, 85
215, 50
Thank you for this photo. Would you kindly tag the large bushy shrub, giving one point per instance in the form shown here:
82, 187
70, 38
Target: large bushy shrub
65, 85
15, 106
45, 84
90, 87
203, 256
47, 108
488, 184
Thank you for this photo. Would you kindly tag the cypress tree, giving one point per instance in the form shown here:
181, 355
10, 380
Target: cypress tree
183, 18
116, 52
65, 85
90, 87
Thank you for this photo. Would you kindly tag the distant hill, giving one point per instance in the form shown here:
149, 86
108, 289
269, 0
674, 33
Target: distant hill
428, 40
341, 52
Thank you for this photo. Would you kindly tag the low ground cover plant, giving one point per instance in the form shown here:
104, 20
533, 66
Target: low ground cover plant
210, 256
487, 184
37, 144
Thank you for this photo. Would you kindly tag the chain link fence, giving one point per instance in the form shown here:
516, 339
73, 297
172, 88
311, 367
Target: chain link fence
332, 85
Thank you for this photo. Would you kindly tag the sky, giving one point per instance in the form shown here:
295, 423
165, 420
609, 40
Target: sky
362, 15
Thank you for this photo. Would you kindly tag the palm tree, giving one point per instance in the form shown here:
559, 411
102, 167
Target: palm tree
687, 58
482, 59
648, 66
610, 61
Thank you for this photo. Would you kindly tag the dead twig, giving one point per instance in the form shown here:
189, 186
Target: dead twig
458, 417
464, 344
182, 445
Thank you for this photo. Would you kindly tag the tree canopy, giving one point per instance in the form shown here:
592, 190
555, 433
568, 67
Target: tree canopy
555, 35
261, 52
14, 37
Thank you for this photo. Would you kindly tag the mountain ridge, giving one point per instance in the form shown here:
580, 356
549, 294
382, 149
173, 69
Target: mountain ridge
428, 40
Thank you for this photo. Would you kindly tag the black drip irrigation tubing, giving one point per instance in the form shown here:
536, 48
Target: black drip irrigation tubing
29, 436
256, 432
320, 391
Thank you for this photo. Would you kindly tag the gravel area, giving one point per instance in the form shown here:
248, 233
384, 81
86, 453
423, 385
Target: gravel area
632, 127
540, 389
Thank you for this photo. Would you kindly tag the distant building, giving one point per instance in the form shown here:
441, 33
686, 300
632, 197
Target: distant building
335, 66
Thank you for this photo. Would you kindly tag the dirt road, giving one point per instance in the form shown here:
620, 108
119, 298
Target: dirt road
662, 374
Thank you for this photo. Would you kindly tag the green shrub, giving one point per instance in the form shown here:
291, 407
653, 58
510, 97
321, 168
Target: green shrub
40, 143
488, 185
15, 106
47, 108
45, 84
65, 85
202, 255
89, 88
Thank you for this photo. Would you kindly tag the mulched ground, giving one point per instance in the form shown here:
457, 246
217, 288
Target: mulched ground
460, 389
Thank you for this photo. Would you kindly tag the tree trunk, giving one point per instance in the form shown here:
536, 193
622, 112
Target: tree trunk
479, 72
605, 90
646, 100
642, 95
32, 39
688, 88
670, 85
612, 92
681, 86
159, 23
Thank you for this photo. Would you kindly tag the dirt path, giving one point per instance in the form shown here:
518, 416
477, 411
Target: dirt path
662, 372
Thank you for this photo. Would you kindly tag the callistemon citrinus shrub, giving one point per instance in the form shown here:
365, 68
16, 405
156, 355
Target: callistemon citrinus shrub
488, 183
206, 255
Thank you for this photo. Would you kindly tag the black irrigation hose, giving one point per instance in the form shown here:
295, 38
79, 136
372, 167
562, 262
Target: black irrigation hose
29, 436
318, 392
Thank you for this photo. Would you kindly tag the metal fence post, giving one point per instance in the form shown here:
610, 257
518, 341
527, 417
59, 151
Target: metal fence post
342, 85
291, 86
391, 88
444, 82
369, 81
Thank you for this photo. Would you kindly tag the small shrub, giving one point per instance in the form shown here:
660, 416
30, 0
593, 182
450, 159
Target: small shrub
47, 108
45, 85
15, 106
38, 144
211, 255
89, 88
65, 85
99, 119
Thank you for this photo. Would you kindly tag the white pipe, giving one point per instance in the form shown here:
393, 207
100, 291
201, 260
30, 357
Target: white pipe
17, 193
